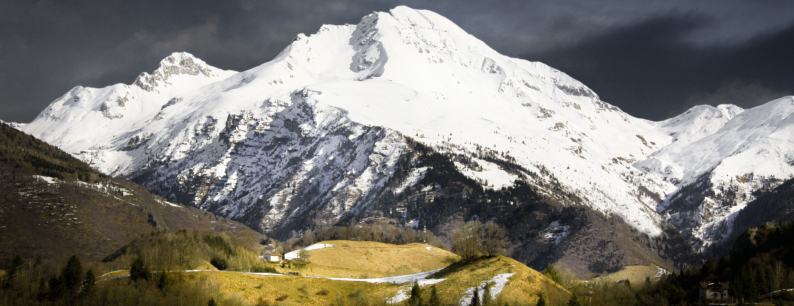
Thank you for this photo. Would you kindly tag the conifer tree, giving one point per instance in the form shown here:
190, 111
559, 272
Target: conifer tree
138, 270
88, 283
433, 301
486, 296
416, 295
541, 301
162, 280
761, 282
475, 299
574, 301
72, 275
15, 264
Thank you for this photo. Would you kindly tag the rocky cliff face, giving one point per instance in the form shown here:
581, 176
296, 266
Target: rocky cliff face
273, 172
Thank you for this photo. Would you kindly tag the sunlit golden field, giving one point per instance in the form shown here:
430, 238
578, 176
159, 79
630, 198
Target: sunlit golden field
366, 259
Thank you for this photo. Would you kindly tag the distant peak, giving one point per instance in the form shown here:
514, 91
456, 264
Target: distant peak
180, 59
404, 11
730, 110
175, 64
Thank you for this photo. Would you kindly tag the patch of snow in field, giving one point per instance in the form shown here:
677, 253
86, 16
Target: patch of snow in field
47, 179
402, 279
110, 272
425, 282
294, 254
403, 295
429, 248
660, 272
166, 203
499, 283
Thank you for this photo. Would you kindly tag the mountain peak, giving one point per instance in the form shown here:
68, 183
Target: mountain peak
178, 63
181, 59
730, 110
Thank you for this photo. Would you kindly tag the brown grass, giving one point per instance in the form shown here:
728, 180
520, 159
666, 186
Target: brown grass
522, 288
379, 260
298, 290
366, 259
635, 274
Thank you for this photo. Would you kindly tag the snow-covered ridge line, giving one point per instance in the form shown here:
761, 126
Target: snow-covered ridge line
318, 133
718, 171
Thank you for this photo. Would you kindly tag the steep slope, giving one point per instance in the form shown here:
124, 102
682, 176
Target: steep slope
768, 205
698, 122
719, 174
511, 282
53, 205
92, 118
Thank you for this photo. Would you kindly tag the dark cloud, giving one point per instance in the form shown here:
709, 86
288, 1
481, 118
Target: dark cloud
650, 70
648, 58
737, 92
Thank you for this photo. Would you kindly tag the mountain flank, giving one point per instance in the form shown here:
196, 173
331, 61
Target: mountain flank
53, 205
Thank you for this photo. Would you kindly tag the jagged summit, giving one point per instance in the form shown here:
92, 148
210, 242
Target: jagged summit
178, 63
733, 133
91, 117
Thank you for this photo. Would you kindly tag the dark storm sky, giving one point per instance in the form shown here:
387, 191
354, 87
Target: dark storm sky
653, 59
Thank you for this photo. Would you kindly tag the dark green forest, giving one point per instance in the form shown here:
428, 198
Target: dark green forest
25, 151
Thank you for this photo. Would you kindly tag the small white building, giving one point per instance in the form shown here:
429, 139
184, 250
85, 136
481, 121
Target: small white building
274, 257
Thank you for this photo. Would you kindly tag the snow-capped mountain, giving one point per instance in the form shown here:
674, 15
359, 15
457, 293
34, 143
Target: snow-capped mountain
723, 165
326, 129
93, 118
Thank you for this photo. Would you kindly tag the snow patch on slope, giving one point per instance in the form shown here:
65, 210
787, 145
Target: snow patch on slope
499, 283
294, 254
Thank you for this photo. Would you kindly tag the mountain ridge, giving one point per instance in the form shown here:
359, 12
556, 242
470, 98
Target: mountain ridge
323, 133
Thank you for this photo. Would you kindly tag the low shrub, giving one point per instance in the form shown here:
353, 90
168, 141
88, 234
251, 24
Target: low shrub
219, 263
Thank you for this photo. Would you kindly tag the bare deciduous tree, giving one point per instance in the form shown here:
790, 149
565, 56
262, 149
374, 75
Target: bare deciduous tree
473, 239
493, 239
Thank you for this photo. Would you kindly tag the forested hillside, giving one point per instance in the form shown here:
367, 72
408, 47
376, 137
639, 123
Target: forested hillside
53, 206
